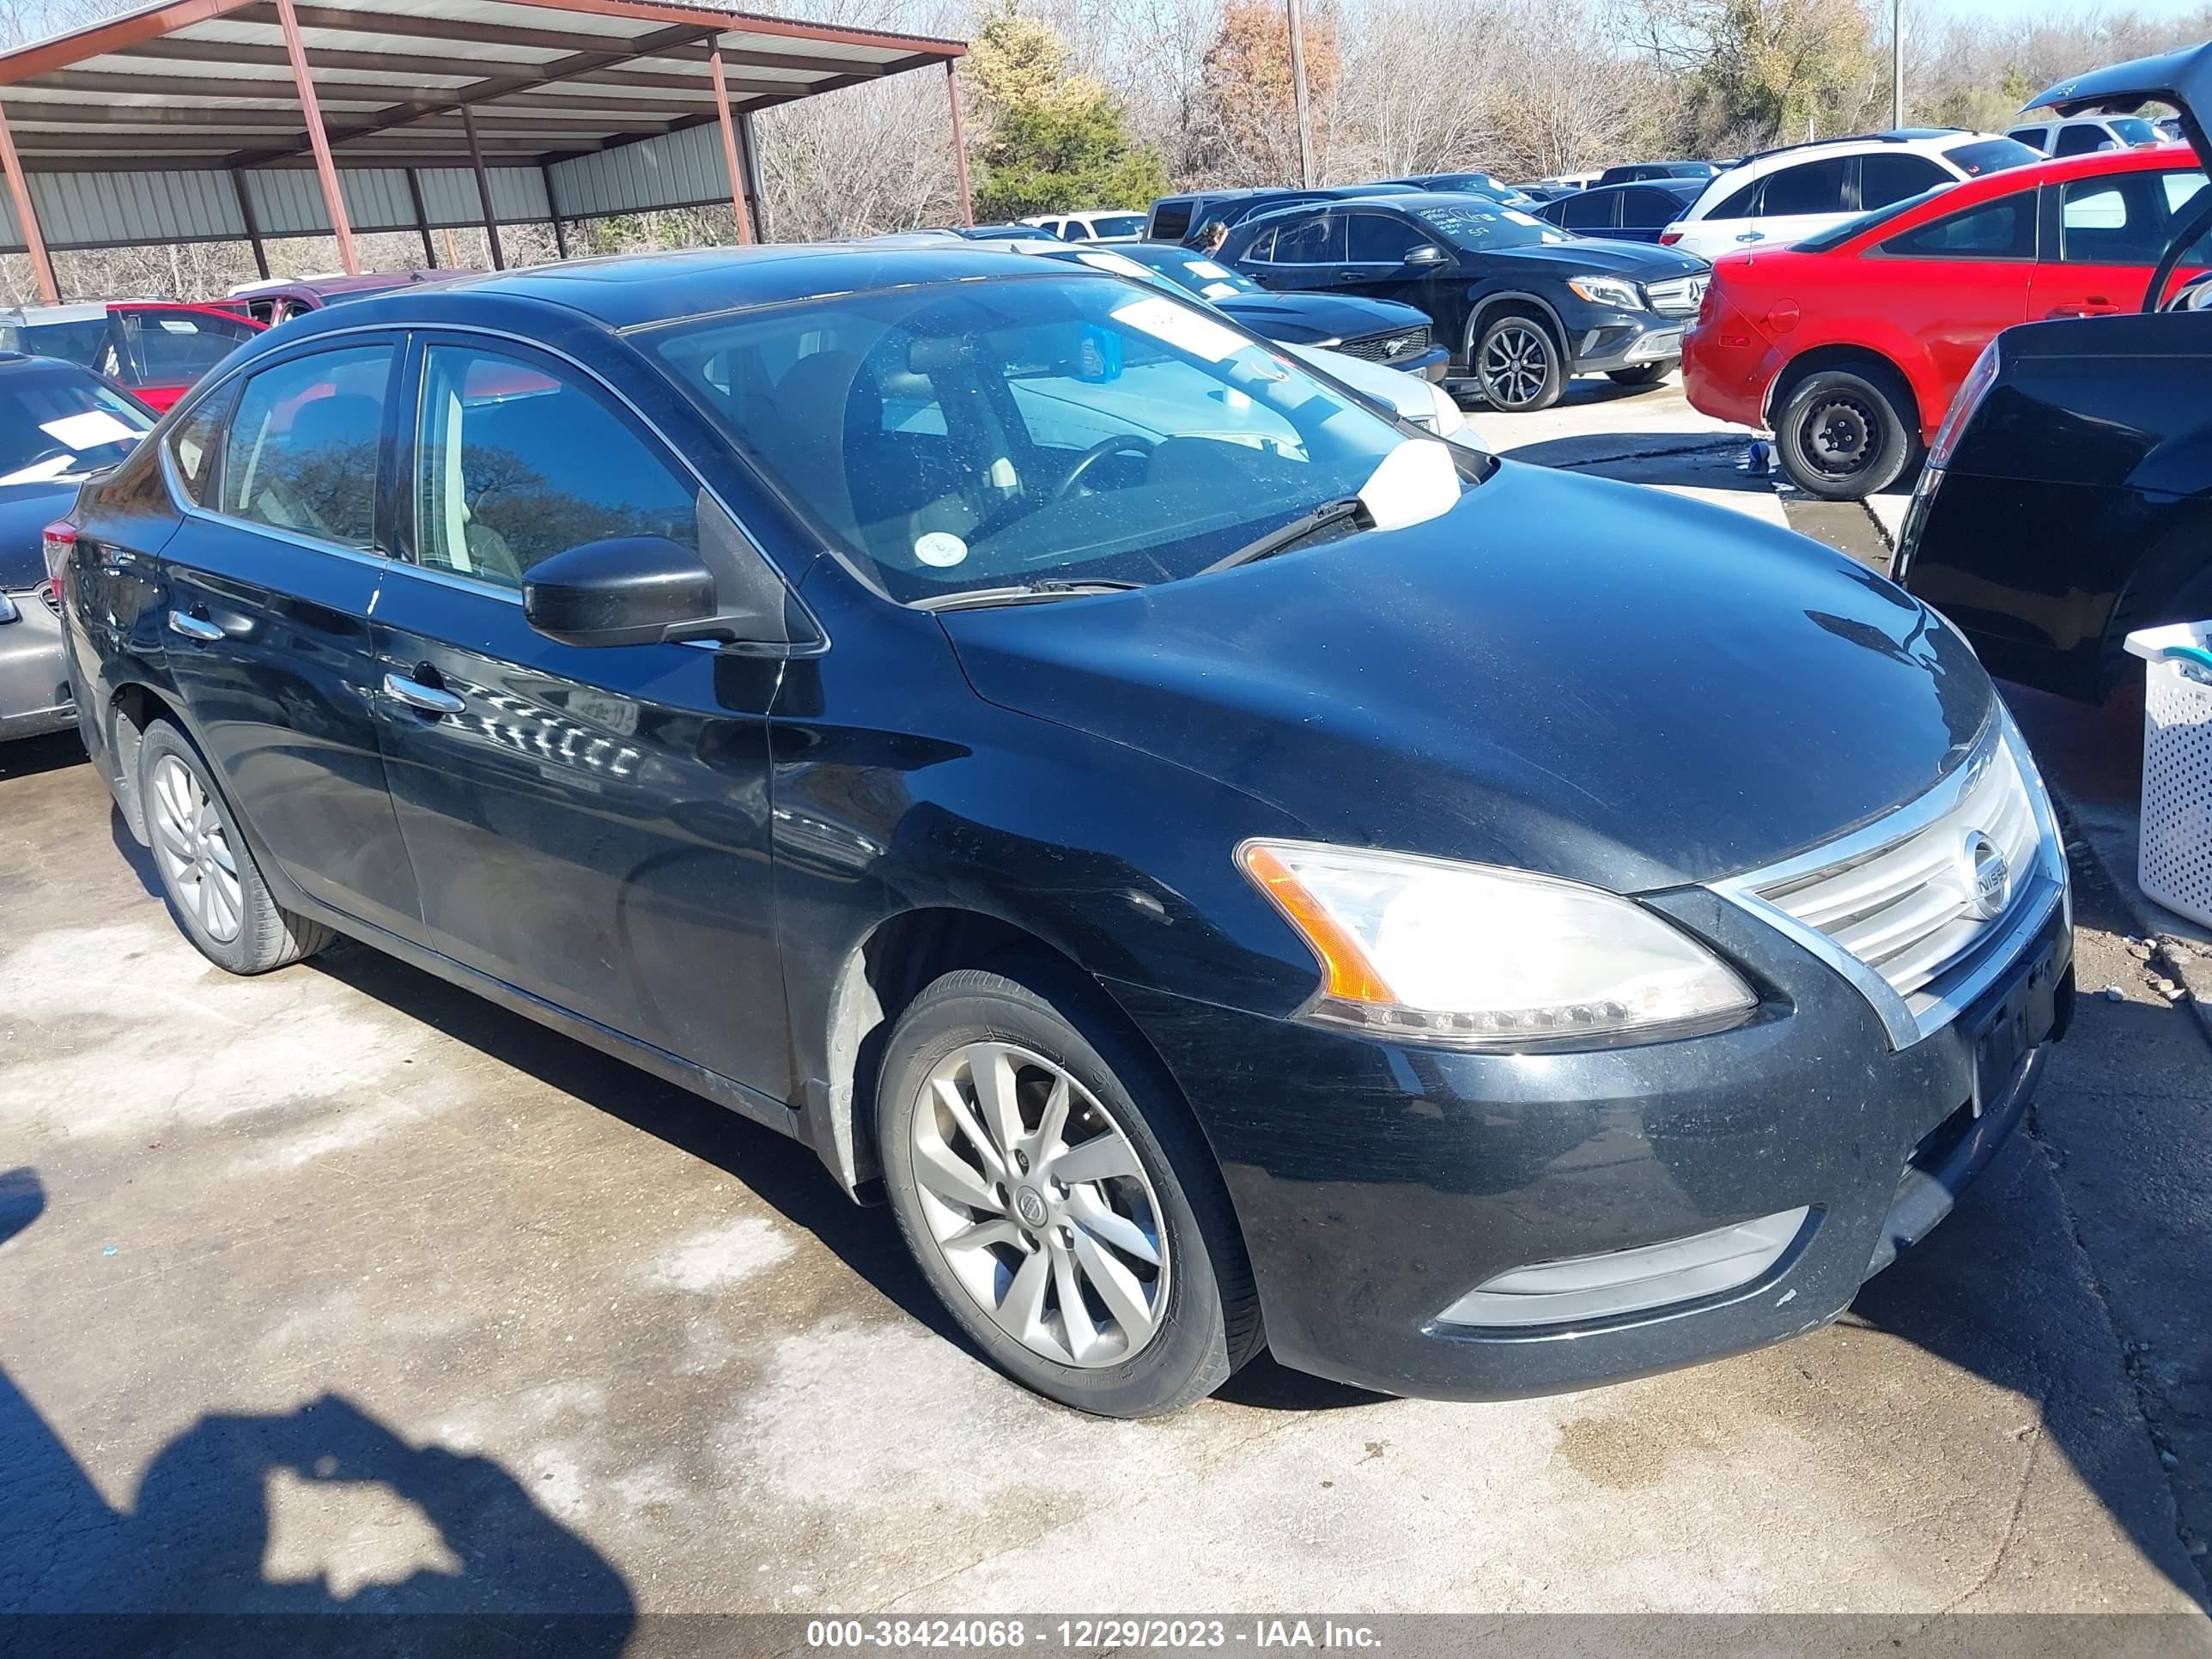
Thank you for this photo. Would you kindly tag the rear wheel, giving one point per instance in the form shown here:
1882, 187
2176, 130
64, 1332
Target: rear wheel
213, 886
1845, 434
1059, 1199
1641, 374
1518, 365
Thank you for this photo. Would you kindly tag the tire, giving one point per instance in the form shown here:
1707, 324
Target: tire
1846, 434
213, 888
1518, 364
1152, 1187
1641, 374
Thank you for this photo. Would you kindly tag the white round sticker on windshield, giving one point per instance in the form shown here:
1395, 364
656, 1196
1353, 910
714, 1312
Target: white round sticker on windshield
940, 548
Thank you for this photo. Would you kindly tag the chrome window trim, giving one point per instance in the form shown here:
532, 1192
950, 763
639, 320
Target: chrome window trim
2029, 913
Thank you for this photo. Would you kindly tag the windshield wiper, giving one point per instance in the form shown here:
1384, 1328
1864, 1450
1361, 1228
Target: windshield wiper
1283, 538
1020, 593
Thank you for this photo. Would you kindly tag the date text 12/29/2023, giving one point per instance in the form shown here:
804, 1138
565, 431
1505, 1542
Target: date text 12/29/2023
1086, 1635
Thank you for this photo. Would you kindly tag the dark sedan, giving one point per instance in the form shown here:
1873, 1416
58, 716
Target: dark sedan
1376, 331
58, 423
1521, 305
1228, 868
1622, 213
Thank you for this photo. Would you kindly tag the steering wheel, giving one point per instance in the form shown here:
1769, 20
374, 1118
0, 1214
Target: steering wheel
1097, 452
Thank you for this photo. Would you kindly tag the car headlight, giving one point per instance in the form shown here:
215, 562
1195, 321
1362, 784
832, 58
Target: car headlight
1449, 418
1608, 291
1477, 956
1329, 345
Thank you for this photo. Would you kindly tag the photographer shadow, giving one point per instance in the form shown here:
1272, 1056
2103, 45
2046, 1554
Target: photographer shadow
184, 1570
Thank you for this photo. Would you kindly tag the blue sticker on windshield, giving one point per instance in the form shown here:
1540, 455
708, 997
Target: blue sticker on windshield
1100, 358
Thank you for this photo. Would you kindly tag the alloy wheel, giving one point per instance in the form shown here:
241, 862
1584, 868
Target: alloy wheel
1516, 361
195, 853
1839, 435
1038, 1203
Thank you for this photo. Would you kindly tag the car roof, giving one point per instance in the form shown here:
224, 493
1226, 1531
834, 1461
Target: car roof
632, 291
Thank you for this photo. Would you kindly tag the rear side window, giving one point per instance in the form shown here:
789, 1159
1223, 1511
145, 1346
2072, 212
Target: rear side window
1588, 211
1315, 241
301, 453
193, 443
1171, 222
1808, 187
2032, 136
2120, 220
516, 463
1743, 205
2084, 141
1892, 178
1648, 210
2002, 229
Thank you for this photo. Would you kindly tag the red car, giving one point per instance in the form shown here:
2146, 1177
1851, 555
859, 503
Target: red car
1850, 344
157, 348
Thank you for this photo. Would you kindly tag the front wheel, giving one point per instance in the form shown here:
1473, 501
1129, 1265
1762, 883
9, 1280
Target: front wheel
1518, 365
1060, 1201
1845, 434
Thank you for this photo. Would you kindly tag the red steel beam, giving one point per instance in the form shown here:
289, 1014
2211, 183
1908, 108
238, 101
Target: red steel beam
26, 216
317, 140
730, 145
959, 143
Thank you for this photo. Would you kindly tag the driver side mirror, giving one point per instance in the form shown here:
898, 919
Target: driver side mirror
1427, 256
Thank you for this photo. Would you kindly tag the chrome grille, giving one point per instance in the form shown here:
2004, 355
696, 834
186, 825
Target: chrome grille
1678, 296
1395, 346
1911, 907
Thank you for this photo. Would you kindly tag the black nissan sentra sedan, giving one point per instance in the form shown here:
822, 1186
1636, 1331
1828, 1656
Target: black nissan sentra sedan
1228, 869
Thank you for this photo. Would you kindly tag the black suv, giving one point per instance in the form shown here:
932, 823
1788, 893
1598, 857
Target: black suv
1524, 306
1174, 217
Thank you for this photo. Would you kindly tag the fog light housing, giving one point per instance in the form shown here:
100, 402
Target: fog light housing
1578, 1290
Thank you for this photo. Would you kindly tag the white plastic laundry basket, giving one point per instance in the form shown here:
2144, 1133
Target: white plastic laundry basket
2174, 858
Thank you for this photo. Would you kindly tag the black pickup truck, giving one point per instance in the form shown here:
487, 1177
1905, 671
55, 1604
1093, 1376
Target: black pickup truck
2068, 498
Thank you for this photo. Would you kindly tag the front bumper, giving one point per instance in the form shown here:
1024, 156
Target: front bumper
1627, 339
1377, 1185
1431, 365
35, 681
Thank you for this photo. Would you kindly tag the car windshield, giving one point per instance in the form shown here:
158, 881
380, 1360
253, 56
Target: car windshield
1991, 155
57, 421
2133, 129
1069, 427
1193, 271
82, 342
1480, 225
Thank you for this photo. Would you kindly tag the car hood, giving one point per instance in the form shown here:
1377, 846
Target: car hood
1563, 674
25, 510
1639, 261
1303, 319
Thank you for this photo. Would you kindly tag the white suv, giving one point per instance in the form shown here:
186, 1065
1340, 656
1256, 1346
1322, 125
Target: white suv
2086, 134
1779, 196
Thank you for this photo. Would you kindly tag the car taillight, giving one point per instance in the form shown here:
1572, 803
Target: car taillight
1669, 238
1971, 391
60, 538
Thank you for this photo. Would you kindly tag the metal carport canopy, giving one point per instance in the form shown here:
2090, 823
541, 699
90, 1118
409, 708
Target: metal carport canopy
191, 120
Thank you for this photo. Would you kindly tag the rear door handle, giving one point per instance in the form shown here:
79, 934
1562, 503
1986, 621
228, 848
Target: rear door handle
194, 628
1752, 236
430, 699
2095, 305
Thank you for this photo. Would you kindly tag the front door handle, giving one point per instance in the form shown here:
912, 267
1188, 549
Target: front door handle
430, 699
2095, 305
194, 628
1753, 236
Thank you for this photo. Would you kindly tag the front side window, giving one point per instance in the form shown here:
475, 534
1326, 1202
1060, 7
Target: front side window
2002, 229
175, 347
1808, 187
2122, 219
82, 340
301, 451
1065, 427
516, 463
1377, 239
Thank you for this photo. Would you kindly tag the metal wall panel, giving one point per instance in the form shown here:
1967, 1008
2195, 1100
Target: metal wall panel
676, 169
449, 195
124, 210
